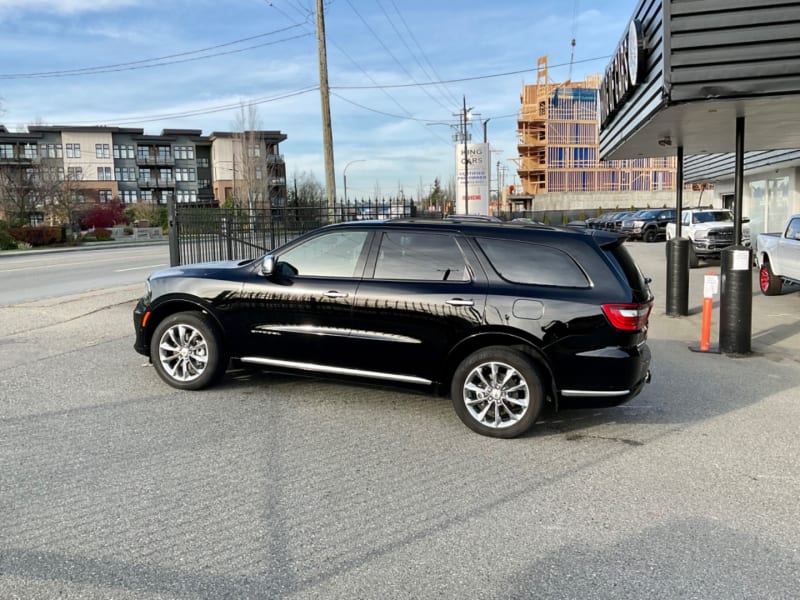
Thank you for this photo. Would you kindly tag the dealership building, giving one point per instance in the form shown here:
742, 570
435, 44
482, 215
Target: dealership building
718, 81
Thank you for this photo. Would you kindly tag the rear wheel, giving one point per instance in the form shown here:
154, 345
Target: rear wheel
770, 284
497, 392
187, 351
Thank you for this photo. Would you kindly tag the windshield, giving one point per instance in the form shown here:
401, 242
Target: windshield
712, 216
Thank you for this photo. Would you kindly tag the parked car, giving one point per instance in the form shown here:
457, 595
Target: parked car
710, 230
615, 224
483, 218
778, 257
503, 317
649, 225
526, 221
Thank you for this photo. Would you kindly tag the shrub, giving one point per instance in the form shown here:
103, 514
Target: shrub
7, 241
37, 236
104, 215
102, 235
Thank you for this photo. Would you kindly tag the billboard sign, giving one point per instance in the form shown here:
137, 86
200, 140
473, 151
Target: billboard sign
475, 164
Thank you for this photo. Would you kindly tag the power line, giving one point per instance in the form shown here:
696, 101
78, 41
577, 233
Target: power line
141, 63
462, 79
390, 53
200, 111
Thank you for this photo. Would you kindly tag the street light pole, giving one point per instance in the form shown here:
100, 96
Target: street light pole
344, 175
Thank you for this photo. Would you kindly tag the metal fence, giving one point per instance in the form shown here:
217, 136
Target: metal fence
212, 234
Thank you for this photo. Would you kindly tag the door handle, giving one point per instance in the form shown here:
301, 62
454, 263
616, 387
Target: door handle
335, 294
460, 302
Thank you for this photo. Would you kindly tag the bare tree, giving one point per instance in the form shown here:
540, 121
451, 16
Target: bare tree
67, 199
251, 168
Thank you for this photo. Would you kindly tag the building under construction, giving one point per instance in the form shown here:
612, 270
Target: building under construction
558, 144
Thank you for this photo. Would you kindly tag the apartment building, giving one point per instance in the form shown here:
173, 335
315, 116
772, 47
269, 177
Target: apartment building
558, 141
101, 164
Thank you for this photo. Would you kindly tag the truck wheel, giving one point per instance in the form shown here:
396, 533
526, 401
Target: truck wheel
694, 261
650, 236
770, 284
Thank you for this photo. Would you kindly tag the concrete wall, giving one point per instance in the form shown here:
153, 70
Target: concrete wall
610, 201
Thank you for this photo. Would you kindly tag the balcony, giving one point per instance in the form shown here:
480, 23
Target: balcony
157, 183
154, 160
274, 159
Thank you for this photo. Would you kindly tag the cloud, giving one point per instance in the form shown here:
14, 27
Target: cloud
66, 6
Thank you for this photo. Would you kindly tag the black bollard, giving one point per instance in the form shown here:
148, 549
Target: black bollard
678, 276
736, 300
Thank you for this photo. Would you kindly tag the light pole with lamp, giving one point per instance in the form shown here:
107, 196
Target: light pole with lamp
344, 175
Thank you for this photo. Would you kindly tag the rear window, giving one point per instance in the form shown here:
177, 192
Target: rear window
533, 264
623, 262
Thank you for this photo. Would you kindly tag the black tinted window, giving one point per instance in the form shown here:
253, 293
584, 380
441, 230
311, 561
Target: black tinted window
420, 256
329, 255
523, 262
625, 264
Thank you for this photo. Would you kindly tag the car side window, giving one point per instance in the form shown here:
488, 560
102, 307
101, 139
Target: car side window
533, 264
793, 231
421, 257
332, 254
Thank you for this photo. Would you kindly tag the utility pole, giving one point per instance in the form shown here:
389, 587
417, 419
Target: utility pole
324, 92
463, 117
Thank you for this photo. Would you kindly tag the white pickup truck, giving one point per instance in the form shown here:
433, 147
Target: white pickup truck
778, 257
710, 230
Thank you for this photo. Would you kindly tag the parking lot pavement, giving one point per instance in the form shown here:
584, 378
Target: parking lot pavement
775, 327
113, 485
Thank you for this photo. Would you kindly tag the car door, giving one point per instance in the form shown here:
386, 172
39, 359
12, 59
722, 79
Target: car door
422, 292
301, 312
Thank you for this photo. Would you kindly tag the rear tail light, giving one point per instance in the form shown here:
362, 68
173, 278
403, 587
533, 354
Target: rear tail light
628, 317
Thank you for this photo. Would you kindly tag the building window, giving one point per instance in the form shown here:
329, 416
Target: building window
128, 196
105, 195
164, 153
51, 151
102, 151
202, 162
104, 174
204, 183
125, 173
254, 150
166, 175
184, 152
29, 150
186, 196
6, 151
184, 174
124, 151
75, 173
73, 150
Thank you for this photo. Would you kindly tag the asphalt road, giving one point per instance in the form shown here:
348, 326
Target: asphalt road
113, 485
36, 275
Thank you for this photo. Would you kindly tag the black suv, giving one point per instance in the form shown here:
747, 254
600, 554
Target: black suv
648, 225
503, 315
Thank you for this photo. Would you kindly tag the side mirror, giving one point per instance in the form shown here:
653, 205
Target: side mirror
268, 265
745, 219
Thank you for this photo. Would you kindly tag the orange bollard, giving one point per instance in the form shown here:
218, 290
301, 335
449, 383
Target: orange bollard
705, 328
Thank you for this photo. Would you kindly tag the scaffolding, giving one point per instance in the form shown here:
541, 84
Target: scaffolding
558, 139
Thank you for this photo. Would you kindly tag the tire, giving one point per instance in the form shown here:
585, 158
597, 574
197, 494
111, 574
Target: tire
650, 235
186, 351
497, 392
694, 261
770, 284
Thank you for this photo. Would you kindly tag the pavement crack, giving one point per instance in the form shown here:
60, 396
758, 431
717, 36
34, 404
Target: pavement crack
580, 436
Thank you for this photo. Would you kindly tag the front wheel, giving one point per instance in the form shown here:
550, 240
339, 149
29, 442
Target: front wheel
770, 284
187, 351
650, 236
694, 260
497, 392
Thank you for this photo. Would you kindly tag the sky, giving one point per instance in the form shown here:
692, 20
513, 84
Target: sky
399, 73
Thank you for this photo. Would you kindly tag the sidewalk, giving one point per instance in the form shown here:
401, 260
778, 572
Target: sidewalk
775, 320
